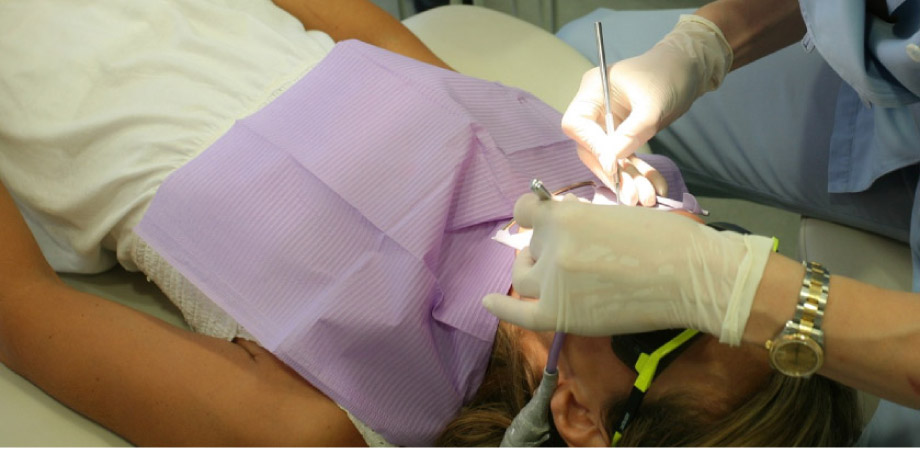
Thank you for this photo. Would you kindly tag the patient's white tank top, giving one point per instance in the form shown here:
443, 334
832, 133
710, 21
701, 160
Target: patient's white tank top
101, 100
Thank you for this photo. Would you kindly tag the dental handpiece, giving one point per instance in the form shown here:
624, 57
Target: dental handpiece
537, 187
531, 426
608, 113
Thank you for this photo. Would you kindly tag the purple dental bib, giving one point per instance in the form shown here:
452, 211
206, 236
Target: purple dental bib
347, 227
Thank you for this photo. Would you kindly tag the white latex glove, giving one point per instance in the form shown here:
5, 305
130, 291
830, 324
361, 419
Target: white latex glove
647, 93
605, 270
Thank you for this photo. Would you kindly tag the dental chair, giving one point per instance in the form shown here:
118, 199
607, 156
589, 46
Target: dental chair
478, 42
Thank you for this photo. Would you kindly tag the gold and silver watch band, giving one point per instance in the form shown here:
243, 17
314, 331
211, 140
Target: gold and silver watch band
798, 350
809, 312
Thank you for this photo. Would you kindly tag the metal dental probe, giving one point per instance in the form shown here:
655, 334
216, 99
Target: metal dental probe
608, 116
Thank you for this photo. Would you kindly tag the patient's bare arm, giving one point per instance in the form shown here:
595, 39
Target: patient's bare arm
362, 20
144, 379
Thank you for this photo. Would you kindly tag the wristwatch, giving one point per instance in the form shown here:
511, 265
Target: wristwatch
798, 350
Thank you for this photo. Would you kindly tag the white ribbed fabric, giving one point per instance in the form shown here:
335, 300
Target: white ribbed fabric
199, 312
101, 100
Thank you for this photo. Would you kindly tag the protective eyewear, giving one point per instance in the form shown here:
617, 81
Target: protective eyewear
648, 354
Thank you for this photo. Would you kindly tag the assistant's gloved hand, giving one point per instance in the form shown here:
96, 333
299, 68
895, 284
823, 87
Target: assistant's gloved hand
647, 93
605, 270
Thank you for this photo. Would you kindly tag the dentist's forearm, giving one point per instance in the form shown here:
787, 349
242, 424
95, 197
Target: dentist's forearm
755, 29
871, 335
362, 20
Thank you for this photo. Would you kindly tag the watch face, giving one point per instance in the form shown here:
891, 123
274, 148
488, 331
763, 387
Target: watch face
797, 356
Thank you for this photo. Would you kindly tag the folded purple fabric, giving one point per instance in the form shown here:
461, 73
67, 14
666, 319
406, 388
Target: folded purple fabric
347, 227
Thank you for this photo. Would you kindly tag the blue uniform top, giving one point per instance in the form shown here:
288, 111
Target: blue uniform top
877, 122
876, 126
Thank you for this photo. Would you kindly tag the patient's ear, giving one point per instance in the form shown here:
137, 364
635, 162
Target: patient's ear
578, 424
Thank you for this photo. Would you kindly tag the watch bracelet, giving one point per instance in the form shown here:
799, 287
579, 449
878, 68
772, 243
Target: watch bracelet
809, 311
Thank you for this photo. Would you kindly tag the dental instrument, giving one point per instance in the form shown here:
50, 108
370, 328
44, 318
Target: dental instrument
603, 196
530, 427
608, 114
537, 187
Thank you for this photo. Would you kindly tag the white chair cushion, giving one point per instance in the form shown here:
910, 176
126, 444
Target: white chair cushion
856, 254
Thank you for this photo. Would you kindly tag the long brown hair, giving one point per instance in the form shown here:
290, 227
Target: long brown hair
784, 412
507, 386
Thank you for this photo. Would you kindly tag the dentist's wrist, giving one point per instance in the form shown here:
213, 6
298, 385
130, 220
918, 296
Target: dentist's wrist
715, 56
775, 299
756, 251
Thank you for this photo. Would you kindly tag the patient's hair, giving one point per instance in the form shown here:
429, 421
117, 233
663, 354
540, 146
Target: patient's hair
507, 386
784, 412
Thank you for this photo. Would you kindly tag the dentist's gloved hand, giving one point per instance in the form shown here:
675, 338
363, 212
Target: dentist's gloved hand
604, 270
647, 93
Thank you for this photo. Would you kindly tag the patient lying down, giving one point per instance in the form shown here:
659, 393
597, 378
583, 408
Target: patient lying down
338, 278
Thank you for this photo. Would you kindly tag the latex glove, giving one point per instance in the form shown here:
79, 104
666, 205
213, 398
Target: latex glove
605, 270
640, 182
647, 93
